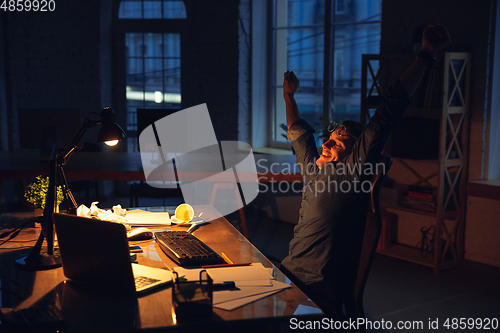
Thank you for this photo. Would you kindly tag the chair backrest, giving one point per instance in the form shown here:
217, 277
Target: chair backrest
372, 232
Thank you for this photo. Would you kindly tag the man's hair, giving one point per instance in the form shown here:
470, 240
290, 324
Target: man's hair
354, 127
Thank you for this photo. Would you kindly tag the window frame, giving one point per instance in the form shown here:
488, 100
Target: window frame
329, 26
133, 25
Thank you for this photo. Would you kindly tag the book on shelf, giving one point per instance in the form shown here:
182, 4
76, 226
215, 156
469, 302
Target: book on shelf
421, 189
417, 201
419, 207
418, 195
422, 192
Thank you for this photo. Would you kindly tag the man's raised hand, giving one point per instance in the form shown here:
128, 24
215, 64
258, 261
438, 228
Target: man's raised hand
290, 83
435, 38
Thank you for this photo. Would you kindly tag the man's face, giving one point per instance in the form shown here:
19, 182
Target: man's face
336, 148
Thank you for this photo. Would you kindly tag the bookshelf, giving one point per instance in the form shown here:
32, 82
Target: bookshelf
435, 155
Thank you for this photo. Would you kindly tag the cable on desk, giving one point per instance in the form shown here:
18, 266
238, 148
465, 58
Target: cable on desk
20, 247
23, 241
13, 233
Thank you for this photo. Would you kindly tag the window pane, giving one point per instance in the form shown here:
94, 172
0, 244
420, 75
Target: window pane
153, 86
299, 46
351, 41
172, 82
172, 70
304, 55
357, 11
302, 12
135, 90
134, 45
130, 9
133, 9
152, 9
172, 45
153, 45
174, 10
305, 49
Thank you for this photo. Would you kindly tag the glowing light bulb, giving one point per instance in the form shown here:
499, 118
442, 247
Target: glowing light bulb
111, 143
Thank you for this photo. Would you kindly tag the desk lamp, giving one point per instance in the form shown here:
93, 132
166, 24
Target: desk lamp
111, 133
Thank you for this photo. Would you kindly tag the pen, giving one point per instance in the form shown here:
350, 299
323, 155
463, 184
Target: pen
226, 265
192, 228
226, 258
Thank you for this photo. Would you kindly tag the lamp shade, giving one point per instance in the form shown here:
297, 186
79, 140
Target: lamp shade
110, 130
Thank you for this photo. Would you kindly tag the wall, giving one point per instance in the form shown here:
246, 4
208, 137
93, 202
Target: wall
213, 62
54, 59
482, 230
63, 59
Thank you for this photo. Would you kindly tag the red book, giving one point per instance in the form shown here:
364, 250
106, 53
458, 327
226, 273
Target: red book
420, 195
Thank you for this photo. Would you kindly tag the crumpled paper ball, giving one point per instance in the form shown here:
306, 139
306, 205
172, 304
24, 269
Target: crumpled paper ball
117, 214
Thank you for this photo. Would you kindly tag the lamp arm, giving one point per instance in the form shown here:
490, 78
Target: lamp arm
86, 125
68, 195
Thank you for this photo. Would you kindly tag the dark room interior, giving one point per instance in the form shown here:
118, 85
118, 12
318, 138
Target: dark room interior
62, 63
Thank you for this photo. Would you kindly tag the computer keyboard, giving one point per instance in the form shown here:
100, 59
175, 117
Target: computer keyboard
142, 281
186, 250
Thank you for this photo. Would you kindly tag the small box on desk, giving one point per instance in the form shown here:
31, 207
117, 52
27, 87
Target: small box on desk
192, 300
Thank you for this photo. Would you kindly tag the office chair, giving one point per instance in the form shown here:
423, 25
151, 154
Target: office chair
372, 233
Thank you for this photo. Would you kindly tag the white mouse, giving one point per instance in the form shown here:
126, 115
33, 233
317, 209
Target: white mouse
139, 234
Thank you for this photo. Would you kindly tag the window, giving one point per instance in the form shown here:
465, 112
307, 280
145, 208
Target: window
322, 42
153, 73
152, 9
149, 33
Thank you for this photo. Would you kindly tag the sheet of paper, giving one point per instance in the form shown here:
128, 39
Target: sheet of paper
242, 275
142, 217
254, 275
235, 302
253, 282
244, 292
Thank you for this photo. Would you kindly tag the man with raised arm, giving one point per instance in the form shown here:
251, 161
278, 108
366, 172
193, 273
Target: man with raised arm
324, 253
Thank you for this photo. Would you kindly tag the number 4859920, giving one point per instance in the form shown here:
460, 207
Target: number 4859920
28, 5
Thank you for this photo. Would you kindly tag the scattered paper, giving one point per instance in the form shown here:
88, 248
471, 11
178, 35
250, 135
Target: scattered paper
252, 283
118, 214
232, 299
115, 215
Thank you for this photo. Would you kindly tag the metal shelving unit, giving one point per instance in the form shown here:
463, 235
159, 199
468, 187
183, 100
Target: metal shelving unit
443, 96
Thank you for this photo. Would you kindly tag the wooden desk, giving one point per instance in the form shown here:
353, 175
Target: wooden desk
92, 311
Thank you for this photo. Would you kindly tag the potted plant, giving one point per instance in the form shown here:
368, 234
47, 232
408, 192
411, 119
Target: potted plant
36, 194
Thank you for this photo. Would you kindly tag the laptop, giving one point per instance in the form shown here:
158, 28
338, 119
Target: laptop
97, 253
